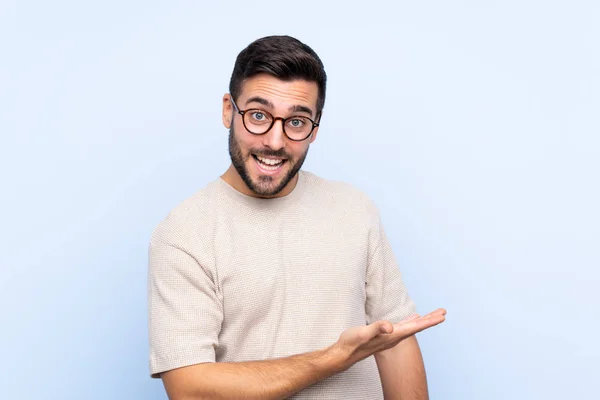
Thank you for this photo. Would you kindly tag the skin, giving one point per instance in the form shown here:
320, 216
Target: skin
393, 344
283, 377
402, 371
283, 97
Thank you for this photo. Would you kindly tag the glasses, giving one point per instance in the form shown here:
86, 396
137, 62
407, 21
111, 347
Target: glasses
259, 122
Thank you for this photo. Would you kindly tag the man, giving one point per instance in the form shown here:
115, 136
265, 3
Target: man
271, 282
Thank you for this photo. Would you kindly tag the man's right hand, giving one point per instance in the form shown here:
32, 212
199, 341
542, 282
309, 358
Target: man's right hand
358, 343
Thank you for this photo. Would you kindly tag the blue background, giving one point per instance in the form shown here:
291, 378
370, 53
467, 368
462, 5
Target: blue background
473, 125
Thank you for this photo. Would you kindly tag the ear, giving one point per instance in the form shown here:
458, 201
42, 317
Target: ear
313, 137
227, 114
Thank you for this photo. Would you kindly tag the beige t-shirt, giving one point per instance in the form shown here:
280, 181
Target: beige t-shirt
238, 278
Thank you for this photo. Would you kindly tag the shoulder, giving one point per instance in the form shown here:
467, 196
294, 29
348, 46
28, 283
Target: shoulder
189, 217
341, 195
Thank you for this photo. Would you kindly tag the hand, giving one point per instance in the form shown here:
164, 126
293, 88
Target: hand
360, 342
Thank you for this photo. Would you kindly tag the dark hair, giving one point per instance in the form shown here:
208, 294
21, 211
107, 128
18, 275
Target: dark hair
283, 57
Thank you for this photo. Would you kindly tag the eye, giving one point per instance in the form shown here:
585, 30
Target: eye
296, 122
258, 116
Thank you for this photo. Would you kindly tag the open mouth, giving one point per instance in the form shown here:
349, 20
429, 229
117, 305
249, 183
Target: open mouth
269, 163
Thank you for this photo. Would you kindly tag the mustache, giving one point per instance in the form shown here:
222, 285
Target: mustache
270, 153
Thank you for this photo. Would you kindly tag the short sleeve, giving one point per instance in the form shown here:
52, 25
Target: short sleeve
184, 309
387, 297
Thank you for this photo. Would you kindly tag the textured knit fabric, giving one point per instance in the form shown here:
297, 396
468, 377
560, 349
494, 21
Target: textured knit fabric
238, 278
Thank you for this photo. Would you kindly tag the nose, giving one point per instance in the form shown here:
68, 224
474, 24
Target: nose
275, 138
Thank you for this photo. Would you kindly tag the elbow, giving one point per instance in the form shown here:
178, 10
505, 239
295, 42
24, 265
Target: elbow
188, 383
187, 395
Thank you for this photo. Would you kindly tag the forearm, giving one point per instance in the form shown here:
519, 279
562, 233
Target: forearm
266, 379
402, 372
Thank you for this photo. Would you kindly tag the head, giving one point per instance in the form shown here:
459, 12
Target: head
285, 79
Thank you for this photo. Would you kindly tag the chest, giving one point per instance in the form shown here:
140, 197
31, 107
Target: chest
281, 265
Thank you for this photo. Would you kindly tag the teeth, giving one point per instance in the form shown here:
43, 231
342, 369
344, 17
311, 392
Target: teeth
269, 161
269, 164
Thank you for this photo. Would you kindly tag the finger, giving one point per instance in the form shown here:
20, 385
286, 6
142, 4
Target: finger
386, 327
378, 328
409, 328
439, 311
432, 320
411, 317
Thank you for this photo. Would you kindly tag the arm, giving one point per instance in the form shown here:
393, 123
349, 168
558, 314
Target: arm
402, 371
400, 368
281, 378
267, 379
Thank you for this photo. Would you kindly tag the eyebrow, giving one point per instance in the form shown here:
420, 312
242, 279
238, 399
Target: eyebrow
267, 103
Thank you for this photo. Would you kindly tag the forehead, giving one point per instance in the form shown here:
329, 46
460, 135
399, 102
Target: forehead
281, 93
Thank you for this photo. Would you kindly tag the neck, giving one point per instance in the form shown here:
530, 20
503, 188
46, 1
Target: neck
233, 178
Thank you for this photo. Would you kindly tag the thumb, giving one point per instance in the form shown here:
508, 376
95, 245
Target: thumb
381, 327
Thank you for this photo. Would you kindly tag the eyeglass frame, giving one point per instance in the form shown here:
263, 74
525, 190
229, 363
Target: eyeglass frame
283, 121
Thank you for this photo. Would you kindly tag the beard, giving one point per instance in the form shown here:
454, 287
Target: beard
264, 185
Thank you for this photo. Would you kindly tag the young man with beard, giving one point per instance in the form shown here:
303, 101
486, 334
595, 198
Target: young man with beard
271, 282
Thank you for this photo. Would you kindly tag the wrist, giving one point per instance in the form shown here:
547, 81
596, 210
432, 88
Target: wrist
338, 358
